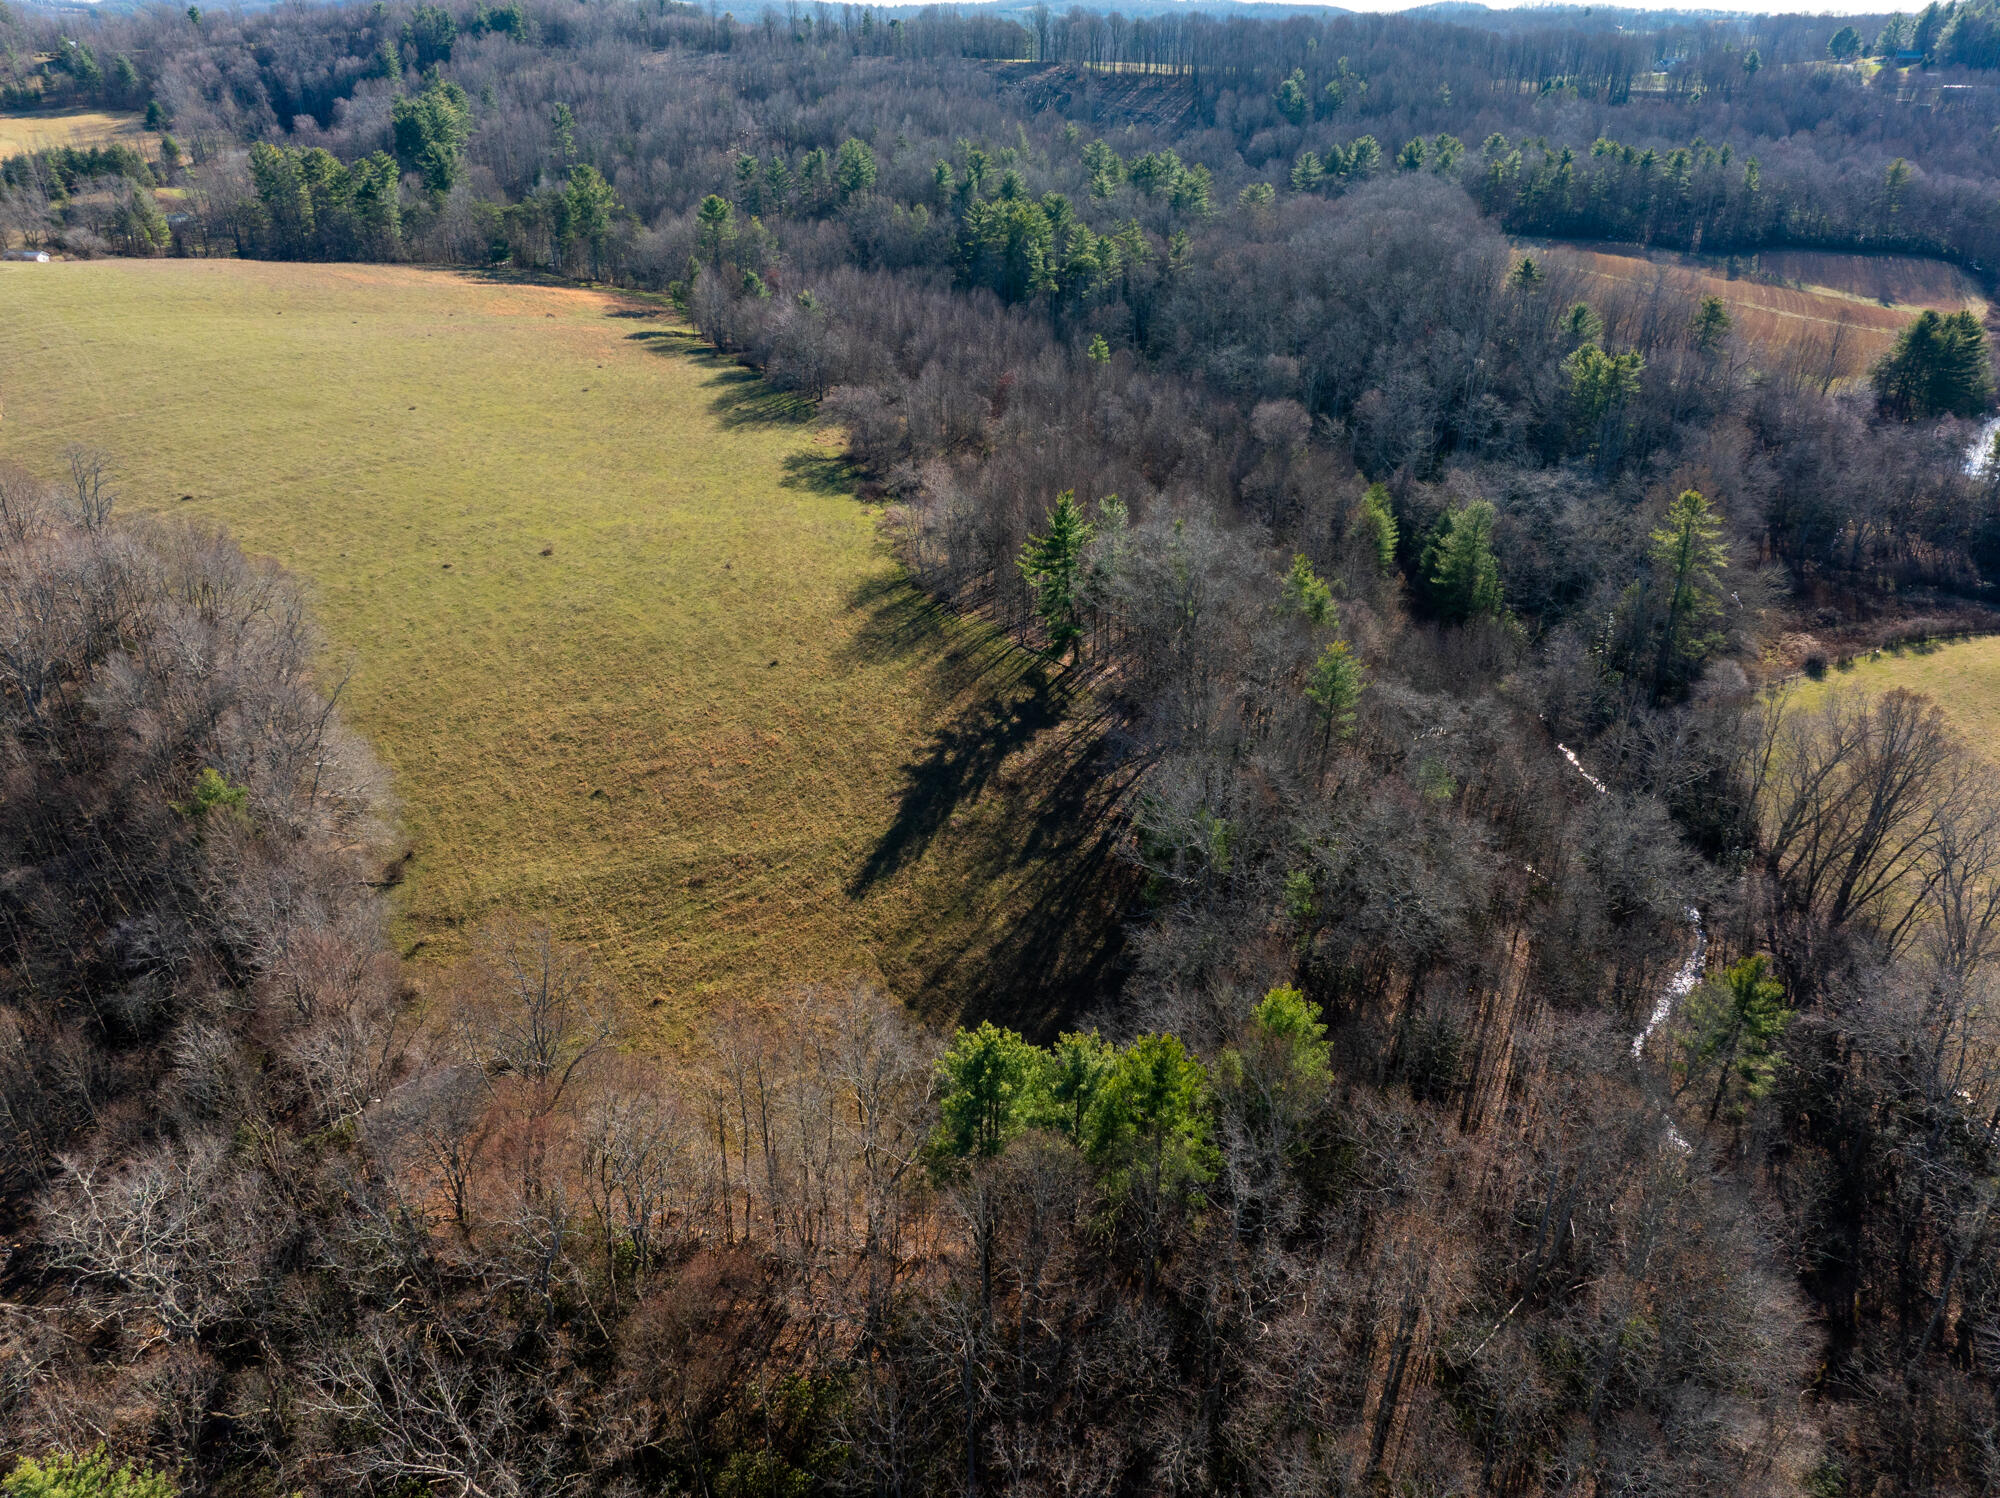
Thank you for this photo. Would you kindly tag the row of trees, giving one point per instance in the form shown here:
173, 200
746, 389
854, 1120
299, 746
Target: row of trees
313, 208
1272, 96
1958, 33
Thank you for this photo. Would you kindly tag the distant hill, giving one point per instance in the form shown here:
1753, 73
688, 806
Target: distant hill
1577, 17
1255, 10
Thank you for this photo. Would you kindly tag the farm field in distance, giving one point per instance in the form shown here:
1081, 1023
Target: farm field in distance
21, 134
1872, 296
636, 655
1961, 676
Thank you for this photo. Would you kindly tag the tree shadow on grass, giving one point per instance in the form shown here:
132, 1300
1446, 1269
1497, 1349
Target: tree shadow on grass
819, 473
1023, 906
742, 398
954, 769
900, 620
1061, 950
1005, 833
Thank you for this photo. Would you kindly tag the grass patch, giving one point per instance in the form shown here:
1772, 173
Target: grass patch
635, 653
23, 134
1962, 676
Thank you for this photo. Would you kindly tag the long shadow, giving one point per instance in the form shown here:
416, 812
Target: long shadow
900, 620
742, 398
955, 768
1061, 958
819, 473
1052, 945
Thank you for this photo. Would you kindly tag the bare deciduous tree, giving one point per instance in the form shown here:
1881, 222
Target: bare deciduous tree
168, 1240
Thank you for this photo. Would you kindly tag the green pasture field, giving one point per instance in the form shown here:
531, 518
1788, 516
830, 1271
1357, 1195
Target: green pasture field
637, 656
1962, 676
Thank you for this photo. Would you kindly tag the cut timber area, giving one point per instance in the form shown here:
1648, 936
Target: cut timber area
633, 649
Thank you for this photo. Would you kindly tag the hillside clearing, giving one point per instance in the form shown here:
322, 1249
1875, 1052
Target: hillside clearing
1905, 281
1788, 300
21, 134
634, 652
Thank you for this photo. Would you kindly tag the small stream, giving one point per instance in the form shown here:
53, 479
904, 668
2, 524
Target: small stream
1688, 974
1577, 765
1679, 986
1979, 456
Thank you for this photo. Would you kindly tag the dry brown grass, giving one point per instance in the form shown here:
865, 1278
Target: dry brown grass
1835, 293
1961, 676
21, 134
1902, 280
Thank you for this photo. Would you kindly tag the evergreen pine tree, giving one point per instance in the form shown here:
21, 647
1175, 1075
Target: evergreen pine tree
1052, 563
986, 1083
1711, 324
1306, 592
1688, 553
714, 226
1464, 578
1334, 689
1939, 367
1378, 522
1291, 97
1735, 1026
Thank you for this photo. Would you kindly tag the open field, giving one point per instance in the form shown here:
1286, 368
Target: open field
1871, 297
1904, 281
633, 649
1962, 676
23, 133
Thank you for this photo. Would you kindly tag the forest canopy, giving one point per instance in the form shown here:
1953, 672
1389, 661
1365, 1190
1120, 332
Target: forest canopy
1549, 1048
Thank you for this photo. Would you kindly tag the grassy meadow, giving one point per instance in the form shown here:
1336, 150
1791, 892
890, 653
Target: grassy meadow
635, 653
23, 134
1962, 676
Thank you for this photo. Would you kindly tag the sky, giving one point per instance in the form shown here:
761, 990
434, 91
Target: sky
1750, 7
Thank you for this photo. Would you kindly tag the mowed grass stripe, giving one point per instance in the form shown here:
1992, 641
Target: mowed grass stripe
683, 733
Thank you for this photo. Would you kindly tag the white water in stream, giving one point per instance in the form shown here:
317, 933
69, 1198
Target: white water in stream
1577, 765
1678, 987
1688, 974
1979, 456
